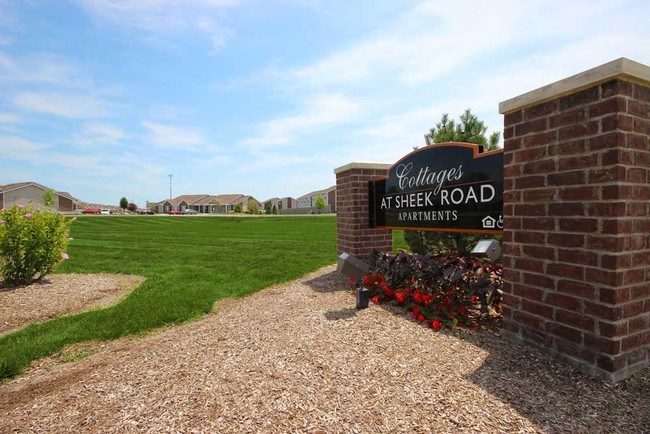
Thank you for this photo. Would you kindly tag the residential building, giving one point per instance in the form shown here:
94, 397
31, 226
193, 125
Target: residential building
31, 193
280, 203
205, 203
309, 200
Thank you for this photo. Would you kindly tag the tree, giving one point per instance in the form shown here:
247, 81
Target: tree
274, 209
253, 206
471, 130
49, 196
132, 207
124, 203
267, 208
319, 203
237, 208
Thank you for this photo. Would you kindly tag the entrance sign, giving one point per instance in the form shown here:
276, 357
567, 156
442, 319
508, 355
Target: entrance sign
447, 187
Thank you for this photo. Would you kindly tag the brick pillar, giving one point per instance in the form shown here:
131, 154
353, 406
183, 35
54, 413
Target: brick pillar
352, 231
577, 219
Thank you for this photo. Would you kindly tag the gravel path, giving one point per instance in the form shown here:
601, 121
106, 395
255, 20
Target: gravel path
299, 358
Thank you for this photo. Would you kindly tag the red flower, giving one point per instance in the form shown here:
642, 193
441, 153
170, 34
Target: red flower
400, 297
436, 325
474, 299
375, 299
473, 324
421, 318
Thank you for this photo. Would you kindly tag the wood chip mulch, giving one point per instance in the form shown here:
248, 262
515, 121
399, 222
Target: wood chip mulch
299, 358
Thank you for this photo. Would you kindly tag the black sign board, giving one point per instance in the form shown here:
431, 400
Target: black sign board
448, 187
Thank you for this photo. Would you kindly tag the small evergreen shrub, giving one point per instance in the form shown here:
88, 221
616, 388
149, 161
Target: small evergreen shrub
32, 243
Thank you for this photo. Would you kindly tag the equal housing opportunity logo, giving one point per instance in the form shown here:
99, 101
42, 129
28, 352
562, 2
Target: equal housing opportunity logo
449, 187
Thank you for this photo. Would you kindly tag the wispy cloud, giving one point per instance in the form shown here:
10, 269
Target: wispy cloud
71, 106
160, 18
42, 68
317, 113
174, 137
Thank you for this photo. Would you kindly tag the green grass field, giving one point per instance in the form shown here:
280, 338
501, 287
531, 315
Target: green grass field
189, 262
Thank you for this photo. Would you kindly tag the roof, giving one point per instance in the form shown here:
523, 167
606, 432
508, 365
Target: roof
17, 185
318, 192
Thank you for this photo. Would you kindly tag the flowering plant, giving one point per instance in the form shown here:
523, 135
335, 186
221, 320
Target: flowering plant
32, 243
443, 291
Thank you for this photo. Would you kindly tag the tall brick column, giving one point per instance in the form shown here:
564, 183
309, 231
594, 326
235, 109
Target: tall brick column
577, 219
352, 231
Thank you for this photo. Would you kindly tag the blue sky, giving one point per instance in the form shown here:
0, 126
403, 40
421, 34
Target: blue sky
106, 98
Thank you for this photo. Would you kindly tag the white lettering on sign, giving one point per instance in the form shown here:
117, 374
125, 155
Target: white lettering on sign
457, 196
427, 216
425, 177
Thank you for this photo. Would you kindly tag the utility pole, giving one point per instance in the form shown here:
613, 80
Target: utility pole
170, 186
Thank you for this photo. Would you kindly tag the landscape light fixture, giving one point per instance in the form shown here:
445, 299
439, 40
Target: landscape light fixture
352, 267
487, 249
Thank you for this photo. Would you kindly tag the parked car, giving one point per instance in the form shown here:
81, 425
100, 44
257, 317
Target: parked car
145, 212
190, 211
106, 211
175, 212
91, 211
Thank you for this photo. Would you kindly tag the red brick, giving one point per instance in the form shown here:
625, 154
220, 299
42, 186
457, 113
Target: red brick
579, 193
641, 126
538, 336
577, 146
577, 162
606, 175
566, 209
539, 252
573, 350
512, 171
640, 292
582, 257
530, 182
524, 291
510, 146
603, 311
611, 105
532, 265
632, 309
617, 121
566, 270
568, 118
611, 364
513, 117
533, 126
637, 174
512, 275
567, 178
530, 210
611, 140
539, 281
638, 109
543, 109
565, 240
639, 323
617, 156
538, 224
539, 139
527, 155
617, 227
511, 301
610, 209
577, 99
579, 289
564, 301
606, 277
617, 192
611, 330
578, 225
602, 344
641, 92
631, 342
614, 295
530, 237
634, 242
637, 355
616, 87
564, 332
537, 308
614, 262
528, 320
575, 320
575, 131
540, 166
540, 195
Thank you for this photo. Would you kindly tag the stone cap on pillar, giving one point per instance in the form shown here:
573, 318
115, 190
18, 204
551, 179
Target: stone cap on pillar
622, 68
362, 165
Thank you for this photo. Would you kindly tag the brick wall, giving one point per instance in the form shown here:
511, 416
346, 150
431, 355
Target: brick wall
353, 234
577, 226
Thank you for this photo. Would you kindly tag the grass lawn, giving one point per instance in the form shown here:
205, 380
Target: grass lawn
189, 262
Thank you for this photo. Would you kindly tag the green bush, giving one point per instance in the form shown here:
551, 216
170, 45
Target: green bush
32, 243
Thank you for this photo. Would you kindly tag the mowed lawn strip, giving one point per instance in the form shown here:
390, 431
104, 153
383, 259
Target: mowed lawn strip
189, 262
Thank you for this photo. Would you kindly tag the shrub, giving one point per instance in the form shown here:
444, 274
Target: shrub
444, 291
32, 243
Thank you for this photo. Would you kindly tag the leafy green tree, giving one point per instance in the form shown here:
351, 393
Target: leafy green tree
470, 130
267, 208
237, 208
124, 203
253, 206
49, 196
274, 209
319, 203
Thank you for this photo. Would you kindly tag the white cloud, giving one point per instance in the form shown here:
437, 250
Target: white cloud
41, 68
71, 106
98, 134
174, 137
160, 18
9, 118
320, 112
